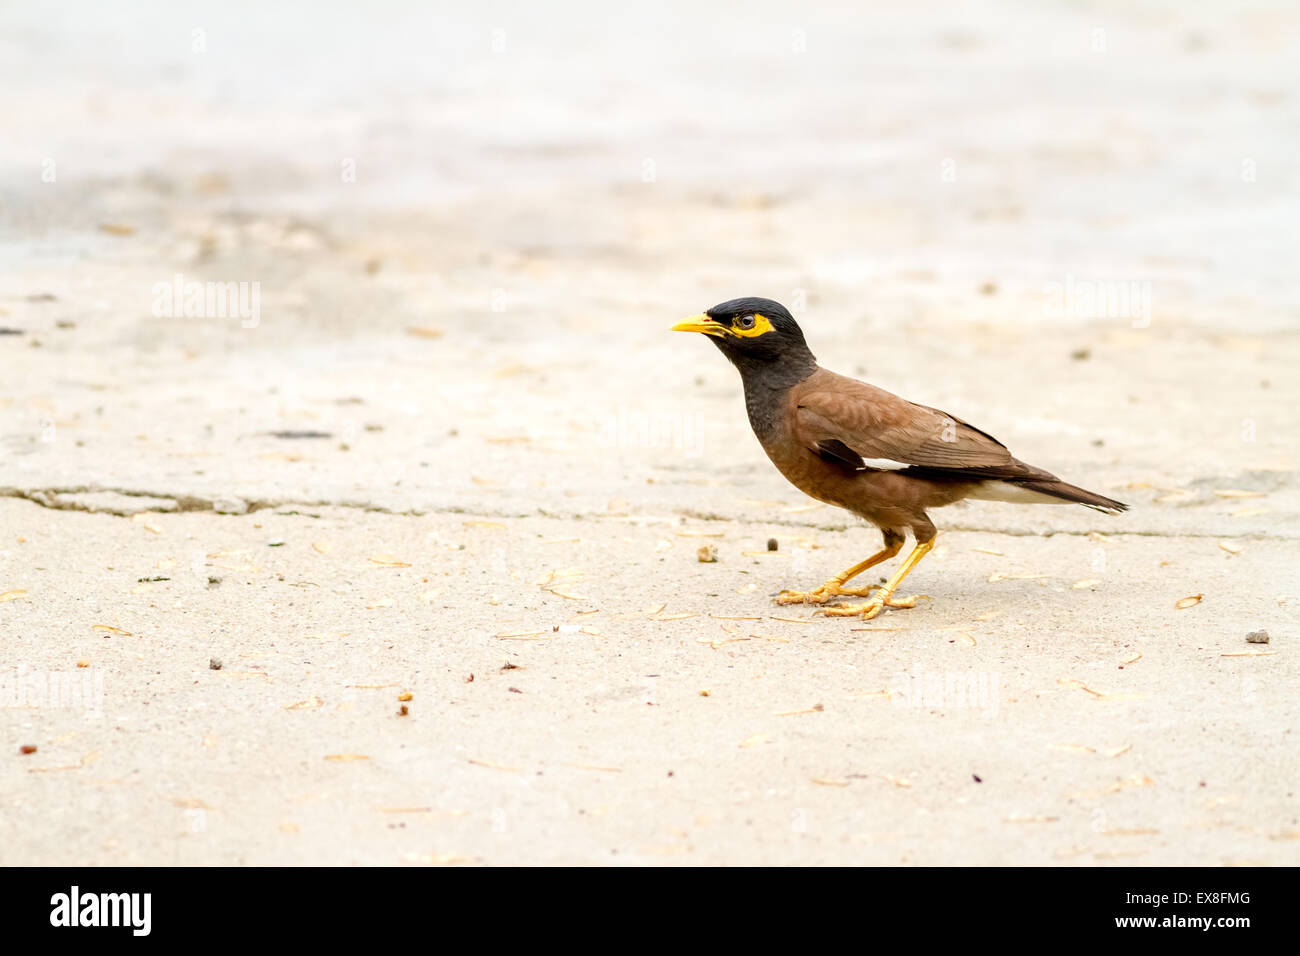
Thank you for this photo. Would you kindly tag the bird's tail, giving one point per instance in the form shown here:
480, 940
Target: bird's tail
1067, 492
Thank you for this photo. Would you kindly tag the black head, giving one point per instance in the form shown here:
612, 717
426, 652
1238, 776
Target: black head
754, 333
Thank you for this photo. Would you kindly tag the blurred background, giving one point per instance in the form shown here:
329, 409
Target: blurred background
469, 227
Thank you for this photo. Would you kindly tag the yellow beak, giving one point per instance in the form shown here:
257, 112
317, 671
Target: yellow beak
701, 323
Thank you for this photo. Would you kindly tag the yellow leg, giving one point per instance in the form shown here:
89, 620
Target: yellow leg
886, 596
835, 586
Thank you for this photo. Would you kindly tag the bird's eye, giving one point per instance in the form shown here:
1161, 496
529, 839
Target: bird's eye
745, 322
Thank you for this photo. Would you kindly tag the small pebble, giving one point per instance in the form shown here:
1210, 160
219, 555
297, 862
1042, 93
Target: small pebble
707, 554
773, 544
214, 663
27, 749
1257, 637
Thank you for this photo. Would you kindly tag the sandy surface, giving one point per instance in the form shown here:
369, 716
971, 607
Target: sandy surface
459, 441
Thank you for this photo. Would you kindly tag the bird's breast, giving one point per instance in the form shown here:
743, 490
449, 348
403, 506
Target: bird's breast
764, 411
806, 471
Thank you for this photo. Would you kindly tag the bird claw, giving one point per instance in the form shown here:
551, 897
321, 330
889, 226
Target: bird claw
871, 608
823, 594
866, 611
859, 592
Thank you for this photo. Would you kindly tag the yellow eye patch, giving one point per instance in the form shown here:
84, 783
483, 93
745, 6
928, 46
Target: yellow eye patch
762, 325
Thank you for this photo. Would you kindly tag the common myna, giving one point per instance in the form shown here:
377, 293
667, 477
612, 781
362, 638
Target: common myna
858, 447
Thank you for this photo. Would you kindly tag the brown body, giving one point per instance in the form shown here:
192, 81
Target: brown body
864, 449
889, 499
889, 460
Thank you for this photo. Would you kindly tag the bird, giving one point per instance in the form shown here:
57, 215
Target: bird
866, 450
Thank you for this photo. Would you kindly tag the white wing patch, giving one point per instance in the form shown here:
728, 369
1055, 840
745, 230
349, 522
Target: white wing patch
884, 464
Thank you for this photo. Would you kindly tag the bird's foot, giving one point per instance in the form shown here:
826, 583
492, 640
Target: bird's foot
823, 594
871, 608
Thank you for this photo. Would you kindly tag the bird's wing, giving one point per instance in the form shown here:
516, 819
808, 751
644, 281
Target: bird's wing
860, 426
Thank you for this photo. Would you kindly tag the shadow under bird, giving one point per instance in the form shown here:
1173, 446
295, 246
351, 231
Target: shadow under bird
863, 449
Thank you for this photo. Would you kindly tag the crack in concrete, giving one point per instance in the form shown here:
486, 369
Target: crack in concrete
997, 529
51, 498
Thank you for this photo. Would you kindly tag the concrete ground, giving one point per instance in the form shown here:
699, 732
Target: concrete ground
404, 567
